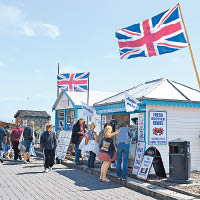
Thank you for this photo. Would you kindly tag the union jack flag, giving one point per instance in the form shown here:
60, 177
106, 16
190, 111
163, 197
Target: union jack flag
74, 82
159, 35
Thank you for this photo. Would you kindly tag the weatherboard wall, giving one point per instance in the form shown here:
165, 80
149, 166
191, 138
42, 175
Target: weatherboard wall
182, 123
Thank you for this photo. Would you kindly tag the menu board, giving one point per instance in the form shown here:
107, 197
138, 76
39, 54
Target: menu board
63, 142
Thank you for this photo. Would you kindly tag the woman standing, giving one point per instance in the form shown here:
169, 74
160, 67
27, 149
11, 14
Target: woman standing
15, 137
93, 146
123, 148
107, 151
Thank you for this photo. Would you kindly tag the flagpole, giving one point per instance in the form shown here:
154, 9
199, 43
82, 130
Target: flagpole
88, 92
190, 48
57, 85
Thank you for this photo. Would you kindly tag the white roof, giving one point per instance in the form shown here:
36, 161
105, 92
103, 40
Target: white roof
94, 96
157, 89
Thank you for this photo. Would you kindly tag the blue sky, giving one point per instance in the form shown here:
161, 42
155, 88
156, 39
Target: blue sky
80, 35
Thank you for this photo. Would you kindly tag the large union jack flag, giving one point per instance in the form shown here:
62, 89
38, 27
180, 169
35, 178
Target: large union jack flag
159, 35
73, 82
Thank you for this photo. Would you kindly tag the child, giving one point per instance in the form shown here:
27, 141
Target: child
93, 147
48, 143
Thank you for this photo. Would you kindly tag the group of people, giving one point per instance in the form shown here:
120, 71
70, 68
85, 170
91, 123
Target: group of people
109, 145
20, 140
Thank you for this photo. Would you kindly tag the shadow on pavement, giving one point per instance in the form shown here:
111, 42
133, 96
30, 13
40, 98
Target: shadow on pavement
33, 166
84, 179
30, 173
13, 162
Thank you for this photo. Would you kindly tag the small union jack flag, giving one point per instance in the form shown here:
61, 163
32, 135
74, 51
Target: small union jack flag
159, 35
74, 82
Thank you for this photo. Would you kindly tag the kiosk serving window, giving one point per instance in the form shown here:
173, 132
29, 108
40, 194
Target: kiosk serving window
60, 119
122, 118
70, 116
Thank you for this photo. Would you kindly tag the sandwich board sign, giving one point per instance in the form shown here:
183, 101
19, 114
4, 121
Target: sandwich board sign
63, 142
145, 167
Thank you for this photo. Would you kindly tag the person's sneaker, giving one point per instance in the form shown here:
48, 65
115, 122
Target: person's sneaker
119, 178
26, 162
1, 160
46, 170
123, 179
50, 169
106, 180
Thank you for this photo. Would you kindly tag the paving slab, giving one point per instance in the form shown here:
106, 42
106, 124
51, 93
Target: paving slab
28, 181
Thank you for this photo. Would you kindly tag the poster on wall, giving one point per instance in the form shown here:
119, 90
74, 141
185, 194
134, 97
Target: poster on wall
157, 128
138, 157
141, 127
145, 167
63, 142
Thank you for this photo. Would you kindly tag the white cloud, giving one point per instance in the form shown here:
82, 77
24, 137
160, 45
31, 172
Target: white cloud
51, 30
28, 31
13, 21
10, 14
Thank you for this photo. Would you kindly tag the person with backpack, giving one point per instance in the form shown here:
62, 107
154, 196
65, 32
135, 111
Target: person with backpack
107, 152
15, 137
2, 135
48, 144
28, 138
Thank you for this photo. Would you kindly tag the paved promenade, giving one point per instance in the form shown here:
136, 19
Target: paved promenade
27, 181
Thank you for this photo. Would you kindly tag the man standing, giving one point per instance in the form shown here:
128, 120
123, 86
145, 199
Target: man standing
48, 144
28, 138
15, 137
78, 132
2, 135
7, 142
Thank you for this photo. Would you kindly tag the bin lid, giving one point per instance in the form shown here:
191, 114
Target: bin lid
179, 141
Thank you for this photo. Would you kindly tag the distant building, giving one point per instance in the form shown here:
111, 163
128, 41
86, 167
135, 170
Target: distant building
26, 116
6, 124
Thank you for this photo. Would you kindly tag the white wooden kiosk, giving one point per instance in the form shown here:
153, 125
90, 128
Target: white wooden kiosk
162, 99
68, 108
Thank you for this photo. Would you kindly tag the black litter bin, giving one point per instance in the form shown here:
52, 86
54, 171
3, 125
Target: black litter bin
179, 161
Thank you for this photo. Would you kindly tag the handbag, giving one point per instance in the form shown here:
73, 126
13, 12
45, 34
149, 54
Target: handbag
106, 144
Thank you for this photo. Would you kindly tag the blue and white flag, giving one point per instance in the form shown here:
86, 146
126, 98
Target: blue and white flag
130, 103
87, 110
